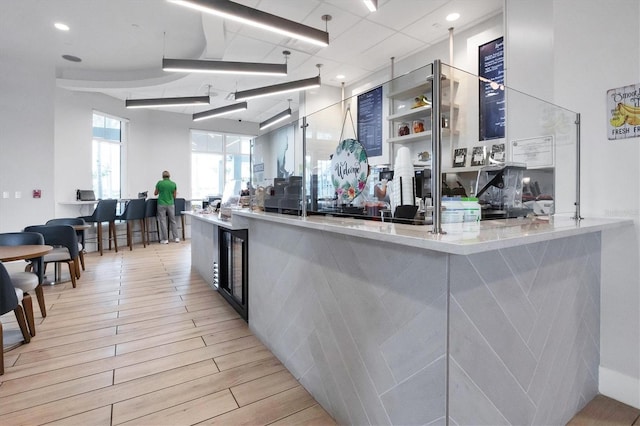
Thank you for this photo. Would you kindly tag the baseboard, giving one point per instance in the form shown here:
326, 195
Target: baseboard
620, 387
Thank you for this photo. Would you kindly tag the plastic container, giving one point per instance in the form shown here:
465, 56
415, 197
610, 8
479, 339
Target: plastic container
453, 210
472, 211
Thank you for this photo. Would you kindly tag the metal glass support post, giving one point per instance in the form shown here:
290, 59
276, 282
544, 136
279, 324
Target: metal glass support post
577, 216
436, 147
304, 166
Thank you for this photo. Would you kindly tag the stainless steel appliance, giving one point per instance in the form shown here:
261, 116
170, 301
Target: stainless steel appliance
233, 283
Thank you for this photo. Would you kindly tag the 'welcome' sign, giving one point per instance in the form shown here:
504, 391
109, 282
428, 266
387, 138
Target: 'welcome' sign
349, 170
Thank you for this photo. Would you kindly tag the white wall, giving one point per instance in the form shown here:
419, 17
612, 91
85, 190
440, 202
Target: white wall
577, 45
591, 58
156, 141
26, 142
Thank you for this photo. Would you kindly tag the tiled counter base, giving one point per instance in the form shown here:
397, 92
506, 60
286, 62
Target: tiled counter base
385, 333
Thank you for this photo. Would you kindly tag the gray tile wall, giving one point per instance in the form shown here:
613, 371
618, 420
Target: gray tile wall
204, 248
524, 337
363, 326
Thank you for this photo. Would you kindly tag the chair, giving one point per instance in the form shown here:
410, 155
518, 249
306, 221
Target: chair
180, 205
65, 242
79, 232
27, 282
10, 299
134, 210
150, 214
105, 212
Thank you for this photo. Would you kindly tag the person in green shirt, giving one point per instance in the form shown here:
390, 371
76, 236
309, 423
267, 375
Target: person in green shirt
166, 191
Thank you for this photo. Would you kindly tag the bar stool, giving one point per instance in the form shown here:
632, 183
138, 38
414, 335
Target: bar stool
134, 211
105, 212
180, 205
151, 211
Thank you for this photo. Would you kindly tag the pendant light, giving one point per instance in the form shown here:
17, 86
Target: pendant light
257, 18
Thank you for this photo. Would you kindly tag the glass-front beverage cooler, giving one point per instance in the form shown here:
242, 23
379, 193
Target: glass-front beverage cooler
233, 269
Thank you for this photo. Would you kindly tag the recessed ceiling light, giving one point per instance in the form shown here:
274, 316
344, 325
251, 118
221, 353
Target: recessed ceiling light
71, 58
340, 77
453, 16
61, 26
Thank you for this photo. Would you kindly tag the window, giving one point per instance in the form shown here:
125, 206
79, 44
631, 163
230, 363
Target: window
108, 136
218, 160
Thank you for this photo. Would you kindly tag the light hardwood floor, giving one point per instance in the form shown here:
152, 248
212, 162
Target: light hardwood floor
144, 340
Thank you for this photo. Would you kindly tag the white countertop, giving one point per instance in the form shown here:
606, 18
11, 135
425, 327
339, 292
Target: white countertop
472, 238
214, 219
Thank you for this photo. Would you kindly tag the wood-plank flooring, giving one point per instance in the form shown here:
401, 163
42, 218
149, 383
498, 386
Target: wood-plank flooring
143, 340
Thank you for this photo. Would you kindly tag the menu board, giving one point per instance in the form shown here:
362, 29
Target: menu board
370, 121
492, 102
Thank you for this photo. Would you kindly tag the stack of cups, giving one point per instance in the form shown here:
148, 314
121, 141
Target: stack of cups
402, 168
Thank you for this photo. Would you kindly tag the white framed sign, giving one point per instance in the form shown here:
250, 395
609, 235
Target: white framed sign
536, 153
623, 112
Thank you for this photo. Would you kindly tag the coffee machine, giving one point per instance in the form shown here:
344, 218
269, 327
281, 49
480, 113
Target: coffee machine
499, 191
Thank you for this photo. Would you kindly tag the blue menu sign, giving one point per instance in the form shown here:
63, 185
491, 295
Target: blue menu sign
492, 103
370, 121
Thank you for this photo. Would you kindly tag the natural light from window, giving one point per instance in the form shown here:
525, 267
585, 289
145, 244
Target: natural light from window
108, 136
218, 160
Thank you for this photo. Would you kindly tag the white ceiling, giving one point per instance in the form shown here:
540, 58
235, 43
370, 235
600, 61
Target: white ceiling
122, 43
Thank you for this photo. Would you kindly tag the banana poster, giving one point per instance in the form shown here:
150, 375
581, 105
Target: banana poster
623, 105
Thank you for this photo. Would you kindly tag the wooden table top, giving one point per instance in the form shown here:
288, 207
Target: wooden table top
10, 253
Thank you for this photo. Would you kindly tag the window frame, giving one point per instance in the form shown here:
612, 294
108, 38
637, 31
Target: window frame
124, 133
225, 154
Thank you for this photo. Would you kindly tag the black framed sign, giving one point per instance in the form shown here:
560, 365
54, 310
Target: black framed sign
492, 102
370, 121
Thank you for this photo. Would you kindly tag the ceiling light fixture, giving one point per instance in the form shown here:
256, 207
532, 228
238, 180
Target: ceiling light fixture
277, 118
257, 18
453, 17
167, 102
222, 67
372, 5
217, 112
71, 58
291, 86
61, 26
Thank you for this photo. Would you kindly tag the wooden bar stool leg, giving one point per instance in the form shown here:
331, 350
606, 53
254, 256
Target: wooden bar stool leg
143, 227
184, 238
112, 230
100, 238
129, 239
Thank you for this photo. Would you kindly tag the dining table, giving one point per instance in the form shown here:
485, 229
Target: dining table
13, 337
23, 252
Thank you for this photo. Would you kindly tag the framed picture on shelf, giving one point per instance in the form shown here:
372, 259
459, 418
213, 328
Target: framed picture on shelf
478, 156
498, 154
460, 157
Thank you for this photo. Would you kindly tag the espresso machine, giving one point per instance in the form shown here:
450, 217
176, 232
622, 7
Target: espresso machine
499, 191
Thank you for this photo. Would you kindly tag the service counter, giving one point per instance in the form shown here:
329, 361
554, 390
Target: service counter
388, 324
219, 252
